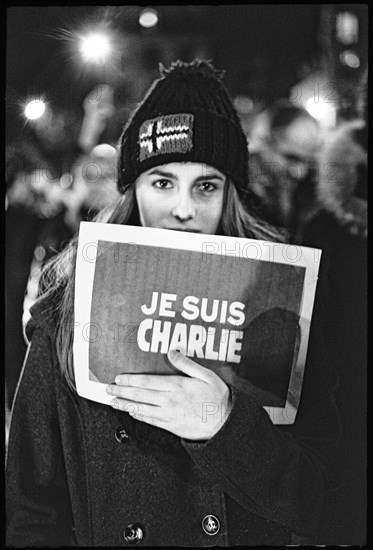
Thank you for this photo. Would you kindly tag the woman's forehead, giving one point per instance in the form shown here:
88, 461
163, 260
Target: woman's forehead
190, 169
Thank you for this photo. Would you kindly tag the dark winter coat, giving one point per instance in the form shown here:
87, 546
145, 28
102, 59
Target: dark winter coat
340, 228
82, 473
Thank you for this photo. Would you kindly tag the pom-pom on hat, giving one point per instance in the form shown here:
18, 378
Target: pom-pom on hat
187, 115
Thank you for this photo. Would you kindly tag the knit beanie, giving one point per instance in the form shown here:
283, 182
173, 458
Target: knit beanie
187, 115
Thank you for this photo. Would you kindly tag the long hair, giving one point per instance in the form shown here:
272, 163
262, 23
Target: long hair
58, 275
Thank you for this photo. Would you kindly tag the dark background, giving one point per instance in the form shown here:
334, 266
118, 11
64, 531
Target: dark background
265, 49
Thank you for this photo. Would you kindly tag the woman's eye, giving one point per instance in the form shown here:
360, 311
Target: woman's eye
207, 187
162, 184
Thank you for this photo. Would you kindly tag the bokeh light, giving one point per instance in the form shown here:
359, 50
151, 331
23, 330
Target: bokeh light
321, 110
34, 109
95, 47
243, 104
350, 59
347, 28
148, 18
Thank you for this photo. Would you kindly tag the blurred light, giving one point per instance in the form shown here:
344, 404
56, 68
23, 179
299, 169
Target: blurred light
103, 150
148, 18
34, 109
66, 180
320, 109
347, 28
244, 104
40, 253
95, 47
319, 97
350, 59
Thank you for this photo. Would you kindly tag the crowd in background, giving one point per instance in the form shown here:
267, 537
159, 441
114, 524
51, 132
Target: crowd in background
310, 183
58, 175
314, 184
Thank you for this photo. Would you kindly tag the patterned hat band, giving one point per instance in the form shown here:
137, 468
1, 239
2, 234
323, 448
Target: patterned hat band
202, 137
165, 135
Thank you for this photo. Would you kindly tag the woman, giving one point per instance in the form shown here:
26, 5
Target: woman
82, 473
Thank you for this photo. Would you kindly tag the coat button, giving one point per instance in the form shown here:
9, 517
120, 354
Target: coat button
133, 533
121, 435
211, 525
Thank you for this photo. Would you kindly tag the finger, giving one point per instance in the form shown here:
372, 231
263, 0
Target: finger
160, 382
189, 367
137, 395
134, 409
141, 413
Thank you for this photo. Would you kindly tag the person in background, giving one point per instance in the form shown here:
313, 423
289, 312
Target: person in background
340, 229
93, 185
44, 206
35, 228
99, 111
284, 141
86, 474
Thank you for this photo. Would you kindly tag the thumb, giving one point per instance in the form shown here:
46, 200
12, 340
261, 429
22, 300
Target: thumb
188, 366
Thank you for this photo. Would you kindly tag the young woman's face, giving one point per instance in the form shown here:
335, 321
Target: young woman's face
181, 196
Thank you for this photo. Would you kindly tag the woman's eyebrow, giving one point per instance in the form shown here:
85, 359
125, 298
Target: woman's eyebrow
165, 174
162, 173
212, 176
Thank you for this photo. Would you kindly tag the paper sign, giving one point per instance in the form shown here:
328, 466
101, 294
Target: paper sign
240, 307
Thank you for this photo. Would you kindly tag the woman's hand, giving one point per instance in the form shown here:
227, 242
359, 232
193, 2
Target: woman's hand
193, 407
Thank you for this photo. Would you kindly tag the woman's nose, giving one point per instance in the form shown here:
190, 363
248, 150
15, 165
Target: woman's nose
184, 208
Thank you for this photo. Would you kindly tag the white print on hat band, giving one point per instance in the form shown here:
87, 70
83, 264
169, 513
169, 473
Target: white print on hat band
166, 134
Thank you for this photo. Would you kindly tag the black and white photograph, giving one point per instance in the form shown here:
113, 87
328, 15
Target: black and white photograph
186, 275
140, 300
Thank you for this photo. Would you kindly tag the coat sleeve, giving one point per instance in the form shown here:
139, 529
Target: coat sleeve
38, 507
278, 472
